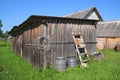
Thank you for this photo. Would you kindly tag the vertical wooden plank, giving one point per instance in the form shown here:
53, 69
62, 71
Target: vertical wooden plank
52, 46
53, 40
50, 36
62, 37
71, 28
59, 39
65, 38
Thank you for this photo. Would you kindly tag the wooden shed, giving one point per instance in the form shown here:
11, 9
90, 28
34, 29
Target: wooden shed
108, 34
40, 39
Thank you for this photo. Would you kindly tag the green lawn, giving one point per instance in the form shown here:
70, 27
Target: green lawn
13, 67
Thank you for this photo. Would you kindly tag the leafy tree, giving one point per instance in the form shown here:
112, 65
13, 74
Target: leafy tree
5, 35
0, 28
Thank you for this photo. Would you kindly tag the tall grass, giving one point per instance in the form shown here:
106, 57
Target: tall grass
13, 67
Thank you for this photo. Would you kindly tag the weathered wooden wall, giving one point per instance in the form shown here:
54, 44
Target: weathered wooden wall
107, 43
59, 32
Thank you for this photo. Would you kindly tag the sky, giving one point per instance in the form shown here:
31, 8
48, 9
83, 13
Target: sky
14, 12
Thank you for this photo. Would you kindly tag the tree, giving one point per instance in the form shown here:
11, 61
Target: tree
5, 35
0, 28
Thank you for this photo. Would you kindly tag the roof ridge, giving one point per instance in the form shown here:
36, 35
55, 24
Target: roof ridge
80, 11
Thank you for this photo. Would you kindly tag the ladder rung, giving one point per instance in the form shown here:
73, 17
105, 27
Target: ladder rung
84, 61
82, 54
76, 34
81, 47
81, 43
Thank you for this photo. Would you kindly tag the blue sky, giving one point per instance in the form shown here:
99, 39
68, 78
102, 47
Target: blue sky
14, 12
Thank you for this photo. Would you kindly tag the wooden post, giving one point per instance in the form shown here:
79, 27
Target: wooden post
44, 60
106, 48
31, 54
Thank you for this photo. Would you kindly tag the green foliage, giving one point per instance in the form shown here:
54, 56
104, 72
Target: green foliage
5, 35
0, 28
0, 23
13, 67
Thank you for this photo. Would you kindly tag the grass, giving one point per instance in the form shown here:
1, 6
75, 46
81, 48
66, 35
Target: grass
13, 67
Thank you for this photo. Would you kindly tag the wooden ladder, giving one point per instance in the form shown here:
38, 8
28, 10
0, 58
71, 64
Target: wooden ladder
81, 49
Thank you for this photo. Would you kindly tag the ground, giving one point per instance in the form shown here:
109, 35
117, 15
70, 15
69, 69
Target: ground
14, 67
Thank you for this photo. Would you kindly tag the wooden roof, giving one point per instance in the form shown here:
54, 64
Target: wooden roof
35, 18
109, 29
85, 13
13, 29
